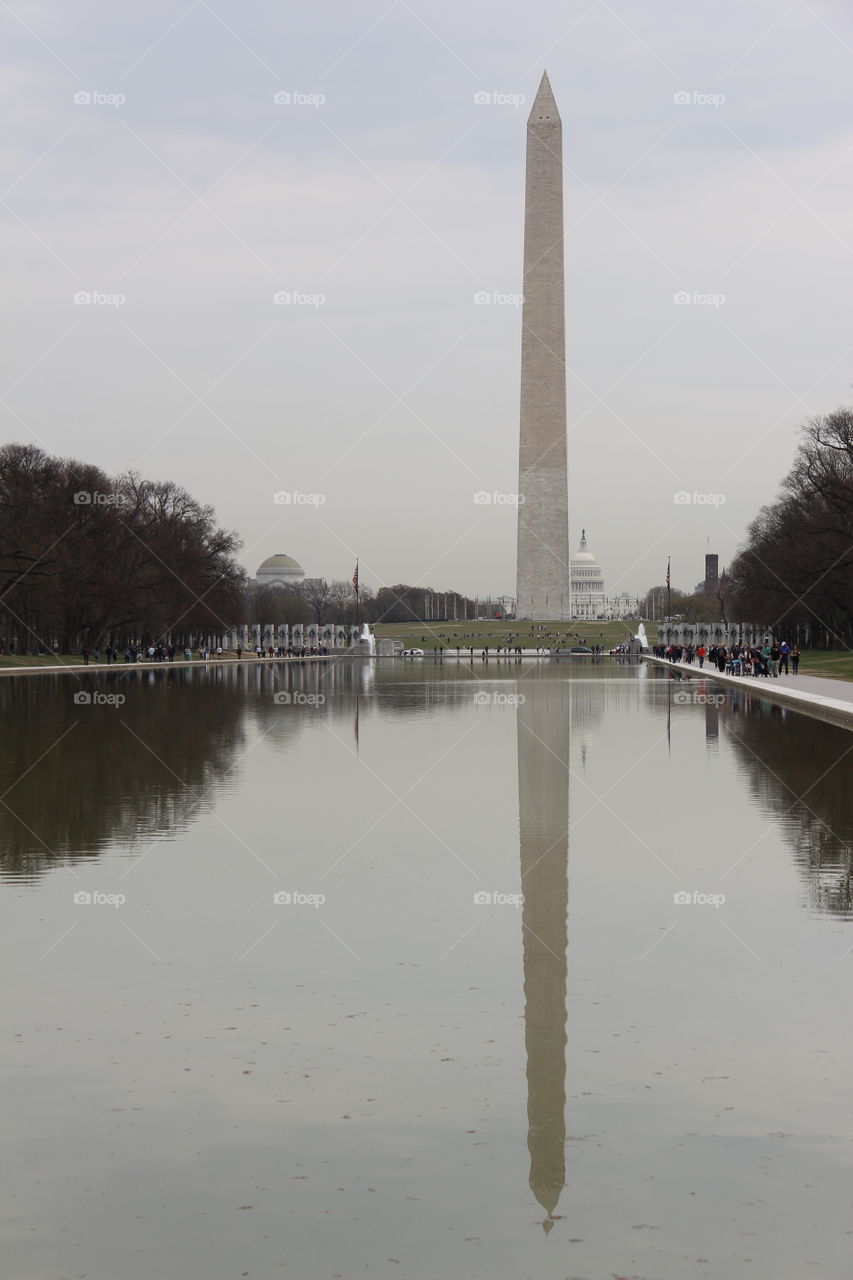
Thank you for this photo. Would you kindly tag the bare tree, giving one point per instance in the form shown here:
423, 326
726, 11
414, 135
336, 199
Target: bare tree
341, 600
317, 594
275, 605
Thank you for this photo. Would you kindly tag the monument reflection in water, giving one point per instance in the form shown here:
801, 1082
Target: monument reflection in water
543, 807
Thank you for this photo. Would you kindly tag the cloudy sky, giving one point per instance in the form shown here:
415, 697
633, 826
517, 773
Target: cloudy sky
148, 166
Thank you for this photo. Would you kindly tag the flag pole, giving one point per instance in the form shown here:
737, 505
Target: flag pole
357, 597
668, 591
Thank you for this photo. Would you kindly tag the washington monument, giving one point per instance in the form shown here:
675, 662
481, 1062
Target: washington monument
543, 511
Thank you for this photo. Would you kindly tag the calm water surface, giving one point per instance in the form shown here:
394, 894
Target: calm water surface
274, 1003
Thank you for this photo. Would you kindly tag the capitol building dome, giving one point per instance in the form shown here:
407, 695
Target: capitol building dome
587, 583
280, 571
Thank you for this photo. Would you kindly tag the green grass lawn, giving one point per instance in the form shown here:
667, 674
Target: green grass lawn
835, 665
39, 660
434, 635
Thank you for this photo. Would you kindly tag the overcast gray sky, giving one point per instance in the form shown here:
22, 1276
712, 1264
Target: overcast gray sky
708, 152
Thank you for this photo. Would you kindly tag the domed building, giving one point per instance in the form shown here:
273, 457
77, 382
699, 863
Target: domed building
280, 571
587, 584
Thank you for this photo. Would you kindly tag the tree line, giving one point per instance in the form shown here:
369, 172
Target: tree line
89, 559
319, 601
794, 571
796, 567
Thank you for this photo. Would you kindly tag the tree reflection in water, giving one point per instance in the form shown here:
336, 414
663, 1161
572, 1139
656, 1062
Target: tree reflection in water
801, 770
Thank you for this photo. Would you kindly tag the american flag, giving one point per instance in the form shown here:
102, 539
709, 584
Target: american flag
355, 577
667, 573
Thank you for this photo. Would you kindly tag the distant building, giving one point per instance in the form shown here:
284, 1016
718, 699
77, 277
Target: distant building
711, 581
280, 571
587, 584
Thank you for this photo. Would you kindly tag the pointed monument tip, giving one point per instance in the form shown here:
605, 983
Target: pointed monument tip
544, 104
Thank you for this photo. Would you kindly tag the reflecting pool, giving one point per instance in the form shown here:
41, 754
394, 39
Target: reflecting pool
425, 969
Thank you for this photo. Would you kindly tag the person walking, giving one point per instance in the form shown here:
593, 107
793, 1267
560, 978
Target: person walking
700, 654
784, 651
795, 658
765, 657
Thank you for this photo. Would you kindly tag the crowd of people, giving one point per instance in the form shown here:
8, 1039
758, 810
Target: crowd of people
168, 653
772, 658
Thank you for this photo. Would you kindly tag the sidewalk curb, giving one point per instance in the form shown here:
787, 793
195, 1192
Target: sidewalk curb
834, 710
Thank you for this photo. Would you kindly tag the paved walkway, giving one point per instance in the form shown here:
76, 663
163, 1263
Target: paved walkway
816, 695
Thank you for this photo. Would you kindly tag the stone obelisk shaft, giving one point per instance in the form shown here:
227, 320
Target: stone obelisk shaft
543, 513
